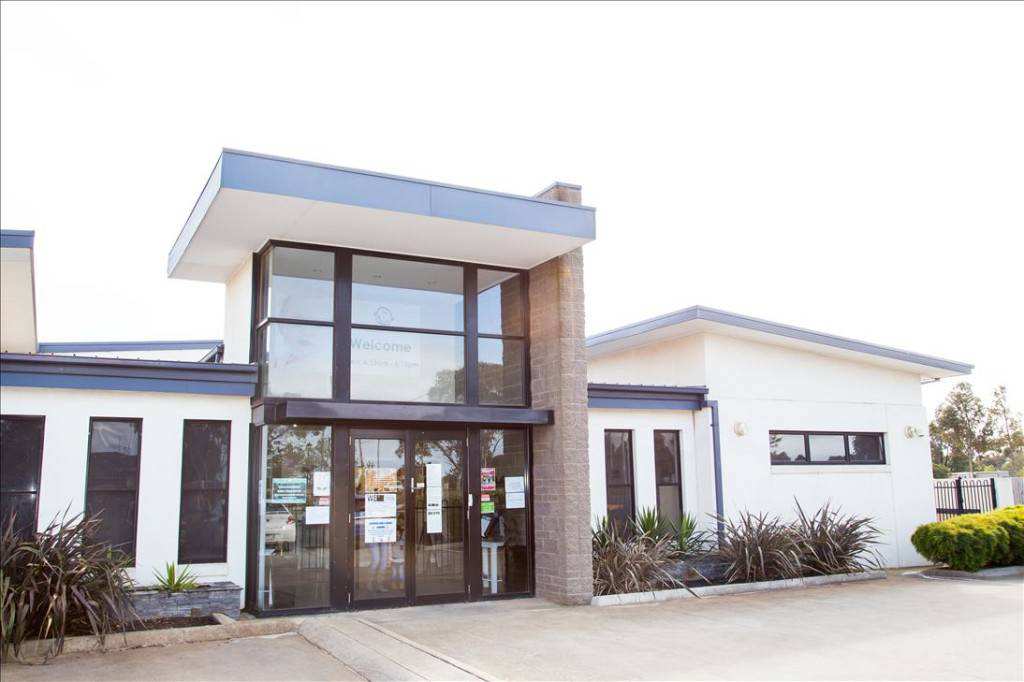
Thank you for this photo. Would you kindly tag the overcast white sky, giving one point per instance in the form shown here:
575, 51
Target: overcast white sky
856, 169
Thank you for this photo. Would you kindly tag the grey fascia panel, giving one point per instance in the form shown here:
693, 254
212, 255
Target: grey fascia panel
293, 410
113, 346
54, 371
646, 397
17, 239
645, 404
252, 172
755, 324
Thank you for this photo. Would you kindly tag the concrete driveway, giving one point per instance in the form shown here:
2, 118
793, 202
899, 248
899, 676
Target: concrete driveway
903, 628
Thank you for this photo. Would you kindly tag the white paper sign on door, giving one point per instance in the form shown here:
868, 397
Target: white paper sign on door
381, 505
515, 500
434, 523
514, 484
434, 475
321, 484
317, 516
380, 530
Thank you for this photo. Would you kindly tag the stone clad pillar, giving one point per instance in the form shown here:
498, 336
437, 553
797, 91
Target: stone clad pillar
561, 473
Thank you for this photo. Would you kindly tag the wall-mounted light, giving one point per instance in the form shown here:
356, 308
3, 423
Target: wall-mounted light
913, 432
739, 428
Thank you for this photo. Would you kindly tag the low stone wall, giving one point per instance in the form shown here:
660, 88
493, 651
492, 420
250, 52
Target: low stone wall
205, 600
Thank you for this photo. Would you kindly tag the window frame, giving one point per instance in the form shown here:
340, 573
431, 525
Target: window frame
678, 459
632, 473
846, 446
138, 476
222, 558
39, 467
342, 325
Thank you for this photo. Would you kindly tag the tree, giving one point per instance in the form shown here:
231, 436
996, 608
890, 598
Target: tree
1007, 434
962, 429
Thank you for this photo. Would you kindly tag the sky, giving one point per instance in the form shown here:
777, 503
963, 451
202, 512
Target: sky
853, 168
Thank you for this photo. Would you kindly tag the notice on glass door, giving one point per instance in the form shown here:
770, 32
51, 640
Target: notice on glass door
321, 483
486, 479
514, 484
317, 516
515, 500
380, 530
381, 505
434, 495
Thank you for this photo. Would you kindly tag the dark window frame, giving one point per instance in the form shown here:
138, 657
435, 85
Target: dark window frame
221, 558
342, 324
847, 461
138, 475
678, 459
39, 467
630, 468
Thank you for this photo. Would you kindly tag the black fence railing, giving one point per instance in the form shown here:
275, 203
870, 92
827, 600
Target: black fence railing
956, 496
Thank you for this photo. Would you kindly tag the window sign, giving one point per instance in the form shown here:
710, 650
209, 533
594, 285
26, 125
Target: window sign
486, 504
318, 515
382, 505
288, 490
487, 479
380, 530
514, 484
515, 500
322, 483
381, 479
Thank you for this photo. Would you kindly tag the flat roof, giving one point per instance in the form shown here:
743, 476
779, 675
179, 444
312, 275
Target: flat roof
17, 239
252, 198
696, 319
111, 346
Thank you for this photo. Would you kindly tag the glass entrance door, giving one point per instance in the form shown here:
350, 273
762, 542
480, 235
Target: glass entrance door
440, 508
379, 486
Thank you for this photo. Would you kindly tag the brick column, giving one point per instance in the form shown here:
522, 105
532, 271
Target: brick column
561, 473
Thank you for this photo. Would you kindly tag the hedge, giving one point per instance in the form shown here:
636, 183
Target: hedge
974, 541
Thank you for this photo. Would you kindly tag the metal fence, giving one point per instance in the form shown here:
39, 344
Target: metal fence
955, 496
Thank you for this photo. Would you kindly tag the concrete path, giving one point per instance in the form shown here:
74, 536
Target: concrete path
903, 628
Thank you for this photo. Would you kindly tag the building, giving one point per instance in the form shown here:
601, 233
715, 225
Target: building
400, 408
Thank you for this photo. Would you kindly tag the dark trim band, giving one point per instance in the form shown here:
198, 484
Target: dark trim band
643, 397
108, 346
286, 411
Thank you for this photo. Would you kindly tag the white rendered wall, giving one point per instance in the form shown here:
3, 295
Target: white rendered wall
65, 450
765, 388
238, 314
697, 477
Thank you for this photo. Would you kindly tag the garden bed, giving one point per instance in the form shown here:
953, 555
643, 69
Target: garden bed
733, 588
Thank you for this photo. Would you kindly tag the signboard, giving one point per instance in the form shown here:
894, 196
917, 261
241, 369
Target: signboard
515, 500
514, 484
486, 504
486, 479
381, 505
380, 530
322, 483
317, 516
380, 479
288, 490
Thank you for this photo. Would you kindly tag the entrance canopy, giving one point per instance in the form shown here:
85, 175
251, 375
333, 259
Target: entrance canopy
251, 198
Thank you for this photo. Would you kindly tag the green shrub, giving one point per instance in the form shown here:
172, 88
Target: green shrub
628, 560
974, 541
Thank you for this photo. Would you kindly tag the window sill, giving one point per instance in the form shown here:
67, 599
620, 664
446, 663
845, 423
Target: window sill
789, 469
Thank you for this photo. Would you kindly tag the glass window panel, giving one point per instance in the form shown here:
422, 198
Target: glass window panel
618, 458
401, 293
827, 448
23, 507
407, 367
505, 566
670, 503
666, 457
786, 448
294, 567
865, 448
116, 510
21, 443
299, 361
500, 364
440, 543
499, 303
204, 495
301, 285
620, 505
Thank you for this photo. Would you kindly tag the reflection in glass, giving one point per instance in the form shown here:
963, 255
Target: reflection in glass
378, 470
294, 565
391, 292
786, 447
113, 480
21, 451
440, 514
499, 303
407, 367
500, 367
827, 448
666, 474
503, 511
301, 285
618, 466
299, 361
866, 448
202, 528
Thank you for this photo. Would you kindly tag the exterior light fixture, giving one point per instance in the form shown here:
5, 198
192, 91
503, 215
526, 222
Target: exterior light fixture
912, 432
739, 428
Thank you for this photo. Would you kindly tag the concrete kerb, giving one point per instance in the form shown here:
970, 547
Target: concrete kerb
733, 588
938, 573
